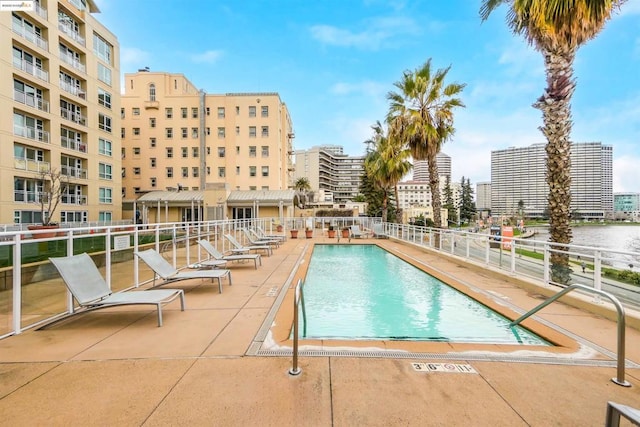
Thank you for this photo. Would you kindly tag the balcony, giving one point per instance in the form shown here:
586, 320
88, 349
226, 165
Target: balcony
69, 31
72, 199
41, 11
154, 105
31, 165
31, 133
73, 144
72, 89
74, 62
30, 68
31, 100
29, 35
73, 172
73, 116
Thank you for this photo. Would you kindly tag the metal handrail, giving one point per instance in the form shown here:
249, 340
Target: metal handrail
297, 299
621, 324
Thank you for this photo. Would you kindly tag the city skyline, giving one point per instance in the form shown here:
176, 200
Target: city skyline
333, 63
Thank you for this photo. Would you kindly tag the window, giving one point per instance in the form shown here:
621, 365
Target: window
221, 112
265, 131
152, 142
221, 172
221, 151
252, 111
194, 112
169, 172
208, 170
183, 112
153, 182
238, 149
136, 171
195, 172
252, 151
184, 132
237, 130
265, 171
237, 110
123, 132
237, 170
103, 216
152, 122
152, 92
208, 130
104, 147
73, 216
169, 152
252, 131
194, 133
264, 111
208, 111
122, 113
136, 151
102, 48
153, 162
168, 133
104, 195
104, 99
252, 187
265, 188
185, 152
208, 151
104, 122
265, 151
252, 171
221, 132
168, 113
104, 171
195, 151
104, 74
185, 172
136, 131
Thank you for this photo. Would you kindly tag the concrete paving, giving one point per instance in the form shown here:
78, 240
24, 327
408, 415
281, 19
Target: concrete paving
115, 367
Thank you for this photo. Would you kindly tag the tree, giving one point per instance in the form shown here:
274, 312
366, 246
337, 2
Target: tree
53, 185
302, 186
448, 203
557, 28
467, 206
421, 115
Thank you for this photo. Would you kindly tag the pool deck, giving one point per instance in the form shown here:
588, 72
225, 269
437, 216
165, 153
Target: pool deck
116, 367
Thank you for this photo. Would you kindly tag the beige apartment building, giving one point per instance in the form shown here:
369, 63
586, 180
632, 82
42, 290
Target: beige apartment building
177, 137
60, 107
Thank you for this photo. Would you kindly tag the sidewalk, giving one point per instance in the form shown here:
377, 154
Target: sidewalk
117, 368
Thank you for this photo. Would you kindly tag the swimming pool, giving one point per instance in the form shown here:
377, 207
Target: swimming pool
362, 292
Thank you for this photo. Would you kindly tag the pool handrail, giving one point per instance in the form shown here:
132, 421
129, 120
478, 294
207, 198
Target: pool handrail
621, 324
298, 299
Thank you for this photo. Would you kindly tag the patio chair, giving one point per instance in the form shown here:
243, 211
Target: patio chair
215, 254
356, 232
89, 289
261, 234
169, 274
240, 248
378, 231
254, 239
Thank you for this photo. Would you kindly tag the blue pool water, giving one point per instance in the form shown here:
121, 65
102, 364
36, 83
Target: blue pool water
365, 292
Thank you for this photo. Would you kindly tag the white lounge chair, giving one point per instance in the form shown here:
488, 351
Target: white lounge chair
378, 231
356, 232
215, 254
164, 270
254, 239
261, 233
240, 248
89, 289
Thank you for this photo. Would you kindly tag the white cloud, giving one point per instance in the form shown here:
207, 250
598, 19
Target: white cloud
368, 88
378, 33
626, 174
208, 57
132, 58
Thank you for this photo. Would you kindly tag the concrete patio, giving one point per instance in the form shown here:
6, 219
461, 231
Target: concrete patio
116, 367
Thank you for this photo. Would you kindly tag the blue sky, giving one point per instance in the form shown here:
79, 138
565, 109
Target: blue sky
334, 61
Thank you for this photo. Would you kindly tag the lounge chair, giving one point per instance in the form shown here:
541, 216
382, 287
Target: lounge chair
356, 232
254, 239
164, 270
215, 254
260, 233
89, 289
378, 231
238, 248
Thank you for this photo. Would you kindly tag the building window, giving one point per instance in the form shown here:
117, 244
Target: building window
195, 151
194, 133
208, 130
195, 172
153, 182
237, 110
237, 130
264, 111
194, 112
152, 142
104, 74
252, 187
168, 112
221, 133
265, 151
185, 172
152, 122
136, 131
136, 171
252, 171
104, 147
265, 171
252, 111
135, 111
136, 151
252, 131
169, 172
208, 170
104, 99
185, 152
104, 195
221, 151
104, 171
153, 162
183, 112
168, 133
238, 150
102, 48
221, 172
104, 216
208, 111
221, 112
123, 132
152, 92
184, 132
265, 131
104, 122
252, 151
122, 113
237, 170
169, 152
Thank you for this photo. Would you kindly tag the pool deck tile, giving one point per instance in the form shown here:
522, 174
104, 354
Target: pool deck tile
116, 367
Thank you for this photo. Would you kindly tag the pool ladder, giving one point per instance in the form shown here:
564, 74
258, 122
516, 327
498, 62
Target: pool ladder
621, 324
298, 300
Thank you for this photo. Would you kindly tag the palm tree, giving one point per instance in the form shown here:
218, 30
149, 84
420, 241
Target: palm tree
557, 28
421, 115
302, 186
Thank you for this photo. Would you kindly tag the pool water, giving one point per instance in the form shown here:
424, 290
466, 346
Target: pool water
363, 292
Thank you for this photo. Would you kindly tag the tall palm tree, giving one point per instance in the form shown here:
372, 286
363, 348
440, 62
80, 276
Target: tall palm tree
557, 28
421, 115
301, 186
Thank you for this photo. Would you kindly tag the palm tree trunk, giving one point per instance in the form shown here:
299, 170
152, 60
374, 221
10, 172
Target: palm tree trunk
398, 209
385, 202
555, 105
434, 186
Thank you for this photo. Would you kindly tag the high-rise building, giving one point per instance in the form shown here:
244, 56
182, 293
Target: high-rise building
177, 136
421, 168
67, 124
328, 169
483, 196
626, 206
518, 180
